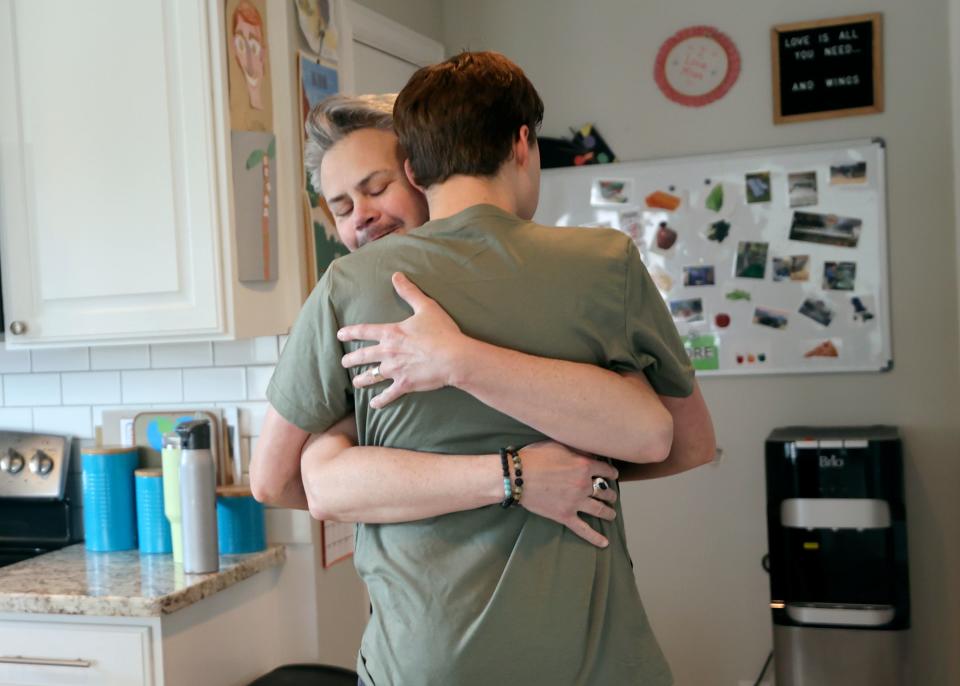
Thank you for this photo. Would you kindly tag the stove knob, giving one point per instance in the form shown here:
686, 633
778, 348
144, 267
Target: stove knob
12, 462
40, 463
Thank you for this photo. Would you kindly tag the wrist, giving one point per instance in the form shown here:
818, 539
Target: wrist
462, 362
494, 494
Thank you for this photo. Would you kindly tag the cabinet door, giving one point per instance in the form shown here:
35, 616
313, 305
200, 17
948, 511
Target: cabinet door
109, 210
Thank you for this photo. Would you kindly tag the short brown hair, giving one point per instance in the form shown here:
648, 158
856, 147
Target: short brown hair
463, 115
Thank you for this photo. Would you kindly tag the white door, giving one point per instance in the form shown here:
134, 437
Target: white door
383, 54
376, 71
108, 205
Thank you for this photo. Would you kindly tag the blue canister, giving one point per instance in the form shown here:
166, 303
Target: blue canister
153, 529
109, 510
240, 521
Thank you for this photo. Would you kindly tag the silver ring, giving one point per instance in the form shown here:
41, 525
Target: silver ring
375, 373
600, 484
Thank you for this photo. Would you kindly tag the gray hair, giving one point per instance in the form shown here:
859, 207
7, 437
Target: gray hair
336, 117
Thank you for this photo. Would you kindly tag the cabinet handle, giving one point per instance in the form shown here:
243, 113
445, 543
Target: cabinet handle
18, 328
43, 661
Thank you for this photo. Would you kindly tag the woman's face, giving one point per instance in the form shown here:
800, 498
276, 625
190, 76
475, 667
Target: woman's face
366, 189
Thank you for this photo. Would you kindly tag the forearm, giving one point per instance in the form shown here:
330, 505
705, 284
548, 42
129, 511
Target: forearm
694, 441
275, 464
580, 405
283, 491
384, 485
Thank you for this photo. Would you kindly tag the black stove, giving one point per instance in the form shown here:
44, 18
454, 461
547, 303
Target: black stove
34, 510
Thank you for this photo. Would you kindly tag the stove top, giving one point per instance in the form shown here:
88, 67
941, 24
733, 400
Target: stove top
33, 465
34, 510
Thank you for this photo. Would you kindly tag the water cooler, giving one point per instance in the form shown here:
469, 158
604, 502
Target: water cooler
836, 526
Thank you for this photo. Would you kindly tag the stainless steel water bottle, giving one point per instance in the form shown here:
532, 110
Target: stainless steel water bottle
198, 499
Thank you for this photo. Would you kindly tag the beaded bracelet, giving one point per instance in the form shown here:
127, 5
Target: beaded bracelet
512, 492
507, 487
517, 474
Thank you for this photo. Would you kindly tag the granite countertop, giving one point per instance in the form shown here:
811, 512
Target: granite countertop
72, 581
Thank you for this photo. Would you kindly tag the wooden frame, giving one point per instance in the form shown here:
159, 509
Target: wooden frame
876, 19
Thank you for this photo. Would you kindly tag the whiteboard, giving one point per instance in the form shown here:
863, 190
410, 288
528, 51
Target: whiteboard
771, 261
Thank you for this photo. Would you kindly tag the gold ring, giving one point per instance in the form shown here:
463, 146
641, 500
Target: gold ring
375, 373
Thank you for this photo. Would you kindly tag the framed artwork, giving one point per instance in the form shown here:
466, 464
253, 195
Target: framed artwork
827, 68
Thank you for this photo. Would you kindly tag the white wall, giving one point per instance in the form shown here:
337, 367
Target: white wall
698, 538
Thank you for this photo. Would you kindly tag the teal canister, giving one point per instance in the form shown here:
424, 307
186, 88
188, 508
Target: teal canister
170, 456
109, 503
240, 521
153, 529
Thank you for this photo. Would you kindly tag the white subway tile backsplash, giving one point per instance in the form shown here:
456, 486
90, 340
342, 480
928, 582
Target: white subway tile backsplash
261, 350
228, 383
91, 388
265, 350
31, 389
181, 355
16, 419
60, 360
14, 361
257, 380
120, 357
74, 421
153, 386
233, 353
91, 381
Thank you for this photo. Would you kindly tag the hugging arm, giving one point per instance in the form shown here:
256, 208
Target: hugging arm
694, 442
584, 406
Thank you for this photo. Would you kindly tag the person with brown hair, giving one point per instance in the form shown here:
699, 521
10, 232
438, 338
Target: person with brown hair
355, 160
483, 593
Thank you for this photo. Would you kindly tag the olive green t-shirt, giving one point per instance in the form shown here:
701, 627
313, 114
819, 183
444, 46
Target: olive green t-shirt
489, 595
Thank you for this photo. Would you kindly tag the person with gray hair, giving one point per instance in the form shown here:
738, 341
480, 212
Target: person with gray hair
336, 117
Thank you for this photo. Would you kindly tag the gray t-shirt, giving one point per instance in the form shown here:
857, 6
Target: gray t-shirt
489, 595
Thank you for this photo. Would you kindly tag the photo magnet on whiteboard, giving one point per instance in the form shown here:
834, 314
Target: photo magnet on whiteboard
817, 310
767, 316
758, 187
611, 192
751, 260
839, 276
802, 188
853, 174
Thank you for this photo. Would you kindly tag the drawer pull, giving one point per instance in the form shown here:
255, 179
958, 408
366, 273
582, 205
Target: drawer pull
43, 661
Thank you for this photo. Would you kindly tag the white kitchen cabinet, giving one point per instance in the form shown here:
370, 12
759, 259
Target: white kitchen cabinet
116, 220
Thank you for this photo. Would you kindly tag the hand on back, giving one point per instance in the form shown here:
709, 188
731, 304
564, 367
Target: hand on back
417, 354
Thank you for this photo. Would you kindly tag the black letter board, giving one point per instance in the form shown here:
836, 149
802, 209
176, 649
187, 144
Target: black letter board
827, 68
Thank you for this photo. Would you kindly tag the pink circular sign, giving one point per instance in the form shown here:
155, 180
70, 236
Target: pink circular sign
696, 66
